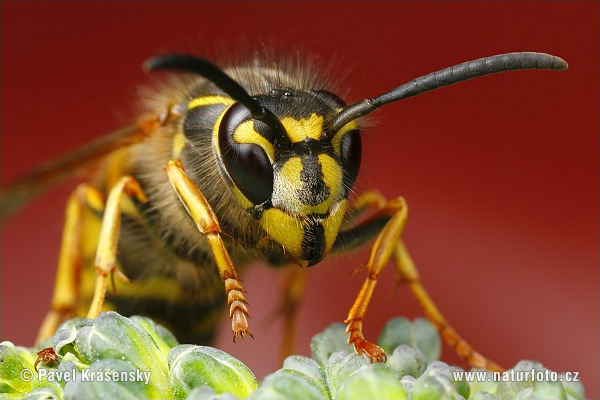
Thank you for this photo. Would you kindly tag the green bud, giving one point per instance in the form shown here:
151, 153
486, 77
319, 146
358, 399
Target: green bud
193, 366
340, 365
518, 378
112, 379
438, 368
547, 390
44, 393
407, 383
115, 337
207, 393
482, 395
487, 385
432, 387
288, 384
332, 339
374, 381
573, 389
311, 369
64, 338
407, 360
420, 334
164, 339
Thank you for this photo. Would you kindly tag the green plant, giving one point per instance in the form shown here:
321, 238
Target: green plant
134, 358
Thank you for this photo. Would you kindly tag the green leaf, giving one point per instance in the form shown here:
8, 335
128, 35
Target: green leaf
432, 387
112, 379
207, 393
482, 395
374, 381
573, 389
44, 393
288, 384
420, 334
546, 390
114, 337
518, 378
15, 361
332, 339
439, 368
192, 366
485, 385
164, 339
64, 338
340, 365
407, 360
310, 369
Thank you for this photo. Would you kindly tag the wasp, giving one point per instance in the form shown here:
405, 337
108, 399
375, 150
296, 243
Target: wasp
251, 162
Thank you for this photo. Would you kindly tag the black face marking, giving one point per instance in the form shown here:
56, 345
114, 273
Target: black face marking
314, 191
313, 243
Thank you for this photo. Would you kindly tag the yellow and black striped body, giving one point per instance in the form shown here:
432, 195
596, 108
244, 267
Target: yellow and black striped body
277, 199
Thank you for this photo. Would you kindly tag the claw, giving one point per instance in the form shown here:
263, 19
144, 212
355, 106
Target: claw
239, 321
374, 352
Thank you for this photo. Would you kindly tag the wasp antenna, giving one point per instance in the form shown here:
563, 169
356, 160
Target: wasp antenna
448, 76
203, 67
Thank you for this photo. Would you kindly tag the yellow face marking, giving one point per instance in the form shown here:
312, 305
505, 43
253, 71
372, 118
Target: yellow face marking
288, 178
300, 129
336, 141
285, 229
288, 230
332, 176
209, 101
245, 133
332, 224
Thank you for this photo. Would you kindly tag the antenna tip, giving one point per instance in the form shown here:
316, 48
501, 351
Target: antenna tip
559, 64
153, 63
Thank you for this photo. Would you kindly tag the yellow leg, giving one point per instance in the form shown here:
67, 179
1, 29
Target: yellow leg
66, 288
380, 254
369, 200
388, 243
106, 254
292, 291
409, 274
201, 212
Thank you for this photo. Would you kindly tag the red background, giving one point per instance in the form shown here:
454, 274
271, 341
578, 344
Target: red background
500, 173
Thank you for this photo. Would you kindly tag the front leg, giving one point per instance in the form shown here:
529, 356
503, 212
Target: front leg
394, 215
386, 224
201, 212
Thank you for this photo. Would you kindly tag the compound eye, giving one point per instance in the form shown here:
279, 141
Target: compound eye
247, 164
350, 154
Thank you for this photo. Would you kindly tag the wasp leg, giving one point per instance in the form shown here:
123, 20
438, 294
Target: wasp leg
369, 200
66, 288
409, 274
106, 253
201, 212
292, 289
388, 242
395, 213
